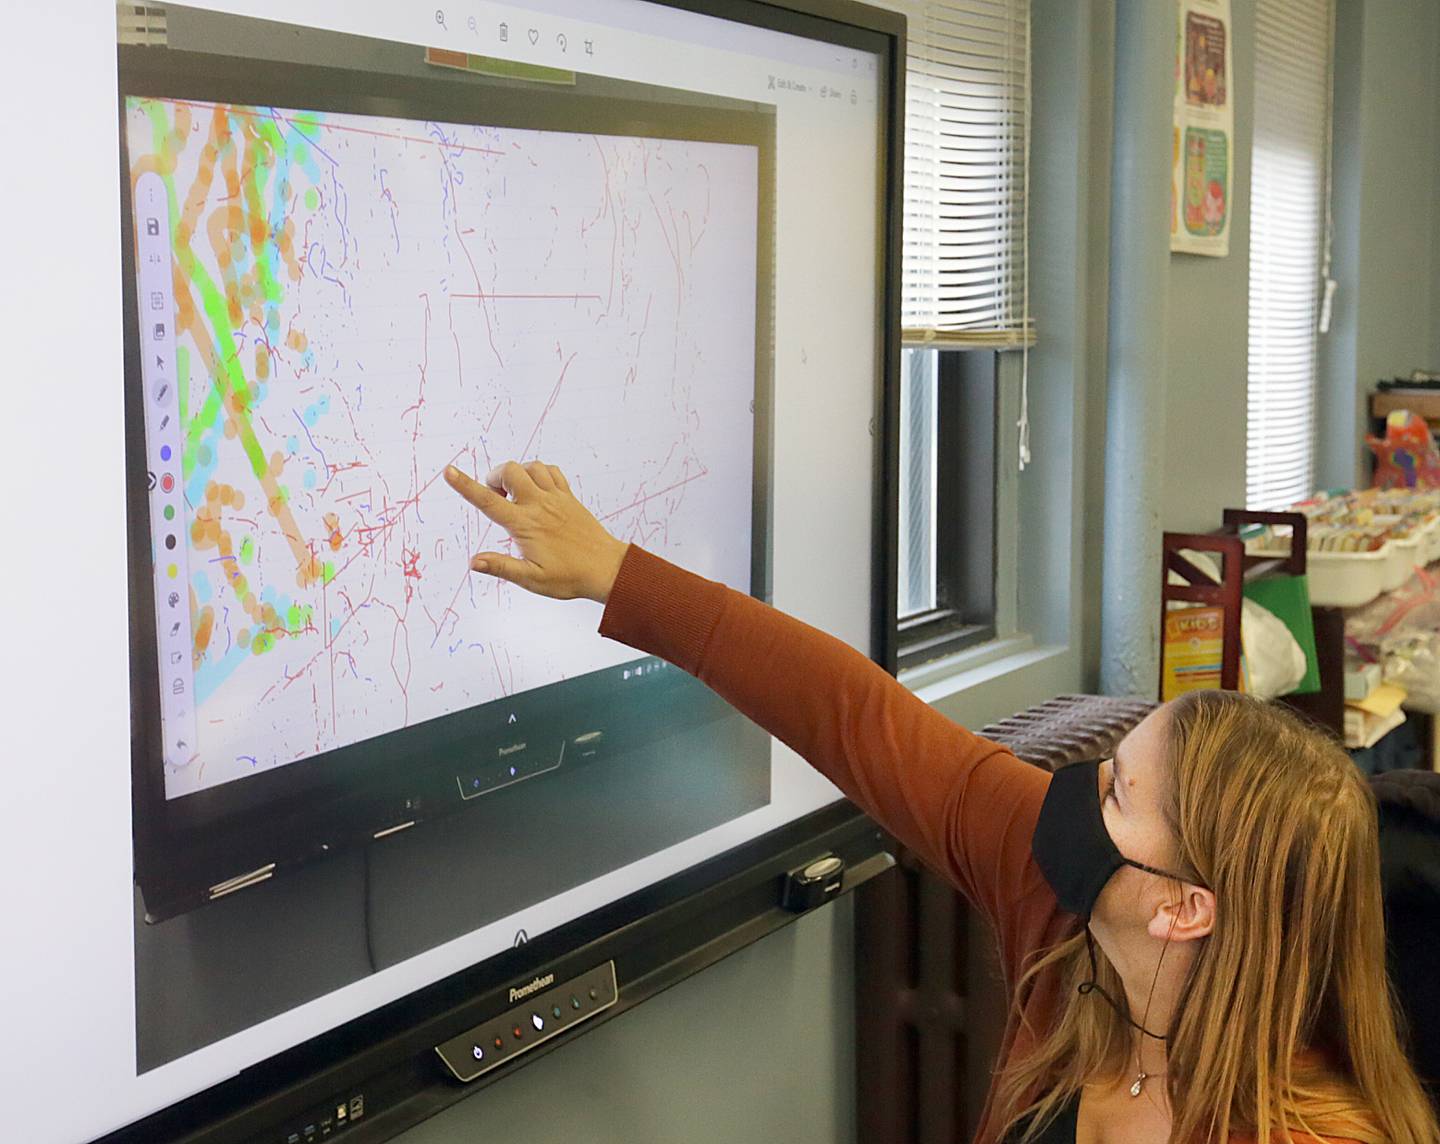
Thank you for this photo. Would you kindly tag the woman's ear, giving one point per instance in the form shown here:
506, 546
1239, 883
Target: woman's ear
1187, 918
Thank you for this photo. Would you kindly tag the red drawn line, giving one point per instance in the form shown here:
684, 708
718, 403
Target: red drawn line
525, 452
298, 123
479, 297
450, 607
329, 646
652, 496
424, 365
356, 611
498, 676
387, 526
554, 393
535, 297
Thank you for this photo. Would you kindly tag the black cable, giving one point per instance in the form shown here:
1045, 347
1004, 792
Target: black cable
1093, 986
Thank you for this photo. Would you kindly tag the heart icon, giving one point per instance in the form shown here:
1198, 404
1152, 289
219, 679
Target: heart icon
534, 35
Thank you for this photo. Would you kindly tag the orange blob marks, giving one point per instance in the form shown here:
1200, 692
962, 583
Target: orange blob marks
205, 530
204, 629
309, 572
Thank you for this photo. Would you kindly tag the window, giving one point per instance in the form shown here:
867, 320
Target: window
965, 300
141, 23
1289, 206
949, 405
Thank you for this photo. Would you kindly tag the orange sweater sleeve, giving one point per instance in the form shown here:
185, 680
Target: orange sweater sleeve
965, 805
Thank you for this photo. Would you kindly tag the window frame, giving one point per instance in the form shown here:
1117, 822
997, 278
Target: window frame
976, 482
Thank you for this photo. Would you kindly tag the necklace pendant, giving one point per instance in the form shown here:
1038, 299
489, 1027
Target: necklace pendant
1139, 1084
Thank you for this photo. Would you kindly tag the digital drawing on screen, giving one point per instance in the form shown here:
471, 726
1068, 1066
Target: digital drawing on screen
359, 302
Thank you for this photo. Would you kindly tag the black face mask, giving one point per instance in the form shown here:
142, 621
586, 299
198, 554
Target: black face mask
1071, 845
1077, 856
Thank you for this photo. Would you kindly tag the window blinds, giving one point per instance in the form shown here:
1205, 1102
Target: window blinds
141, 23
967, 133
1287, 233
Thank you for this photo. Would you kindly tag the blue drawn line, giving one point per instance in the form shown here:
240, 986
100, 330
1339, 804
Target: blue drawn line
323, 265
341, 198
311, 439
285, 125
394, 210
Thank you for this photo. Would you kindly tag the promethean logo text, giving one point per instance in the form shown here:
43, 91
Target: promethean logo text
534, 987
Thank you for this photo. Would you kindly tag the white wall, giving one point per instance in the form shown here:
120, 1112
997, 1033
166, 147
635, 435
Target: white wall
760, 1047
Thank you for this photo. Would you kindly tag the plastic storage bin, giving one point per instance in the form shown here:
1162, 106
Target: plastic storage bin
1347, 579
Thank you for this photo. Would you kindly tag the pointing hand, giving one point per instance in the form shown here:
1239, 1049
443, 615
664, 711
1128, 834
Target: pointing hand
565, 553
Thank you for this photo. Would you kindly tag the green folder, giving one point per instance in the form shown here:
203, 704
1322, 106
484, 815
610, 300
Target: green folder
1289, 598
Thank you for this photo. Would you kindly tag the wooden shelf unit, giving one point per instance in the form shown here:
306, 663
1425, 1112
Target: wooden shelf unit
1237, 568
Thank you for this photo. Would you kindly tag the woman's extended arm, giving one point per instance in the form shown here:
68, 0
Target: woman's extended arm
965, 805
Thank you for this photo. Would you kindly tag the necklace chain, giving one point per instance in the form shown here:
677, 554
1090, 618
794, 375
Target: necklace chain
1140, 1078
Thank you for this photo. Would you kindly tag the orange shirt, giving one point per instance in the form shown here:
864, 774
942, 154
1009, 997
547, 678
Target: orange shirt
965, 805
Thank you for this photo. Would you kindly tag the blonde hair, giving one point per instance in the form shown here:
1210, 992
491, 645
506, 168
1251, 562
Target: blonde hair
1286, 1021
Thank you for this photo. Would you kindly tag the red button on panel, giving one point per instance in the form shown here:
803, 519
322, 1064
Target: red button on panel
519, 1032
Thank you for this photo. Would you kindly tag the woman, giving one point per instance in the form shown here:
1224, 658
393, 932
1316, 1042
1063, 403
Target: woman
1192, 931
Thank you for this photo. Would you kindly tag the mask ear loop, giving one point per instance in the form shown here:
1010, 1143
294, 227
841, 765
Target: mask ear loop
1159, 961
1093, 985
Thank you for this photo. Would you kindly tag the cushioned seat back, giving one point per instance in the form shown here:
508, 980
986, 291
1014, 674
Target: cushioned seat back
1410, 872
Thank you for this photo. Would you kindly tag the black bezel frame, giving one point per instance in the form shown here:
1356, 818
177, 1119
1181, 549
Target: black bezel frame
271, 818
407, 1027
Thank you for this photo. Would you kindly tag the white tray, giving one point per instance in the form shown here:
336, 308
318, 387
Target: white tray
1404, 558
1347, 579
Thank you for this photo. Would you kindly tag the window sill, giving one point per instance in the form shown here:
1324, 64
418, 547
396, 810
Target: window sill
942, 678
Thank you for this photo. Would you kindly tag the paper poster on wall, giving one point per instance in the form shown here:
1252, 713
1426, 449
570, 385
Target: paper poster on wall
1201, 151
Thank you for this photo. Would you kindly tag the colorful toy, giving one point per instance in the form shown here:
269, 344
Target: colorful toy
1407, 457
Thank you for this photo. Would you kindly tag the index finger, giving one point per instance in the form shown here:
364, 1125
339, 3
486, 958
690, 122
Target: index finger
498, 508
512, 478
